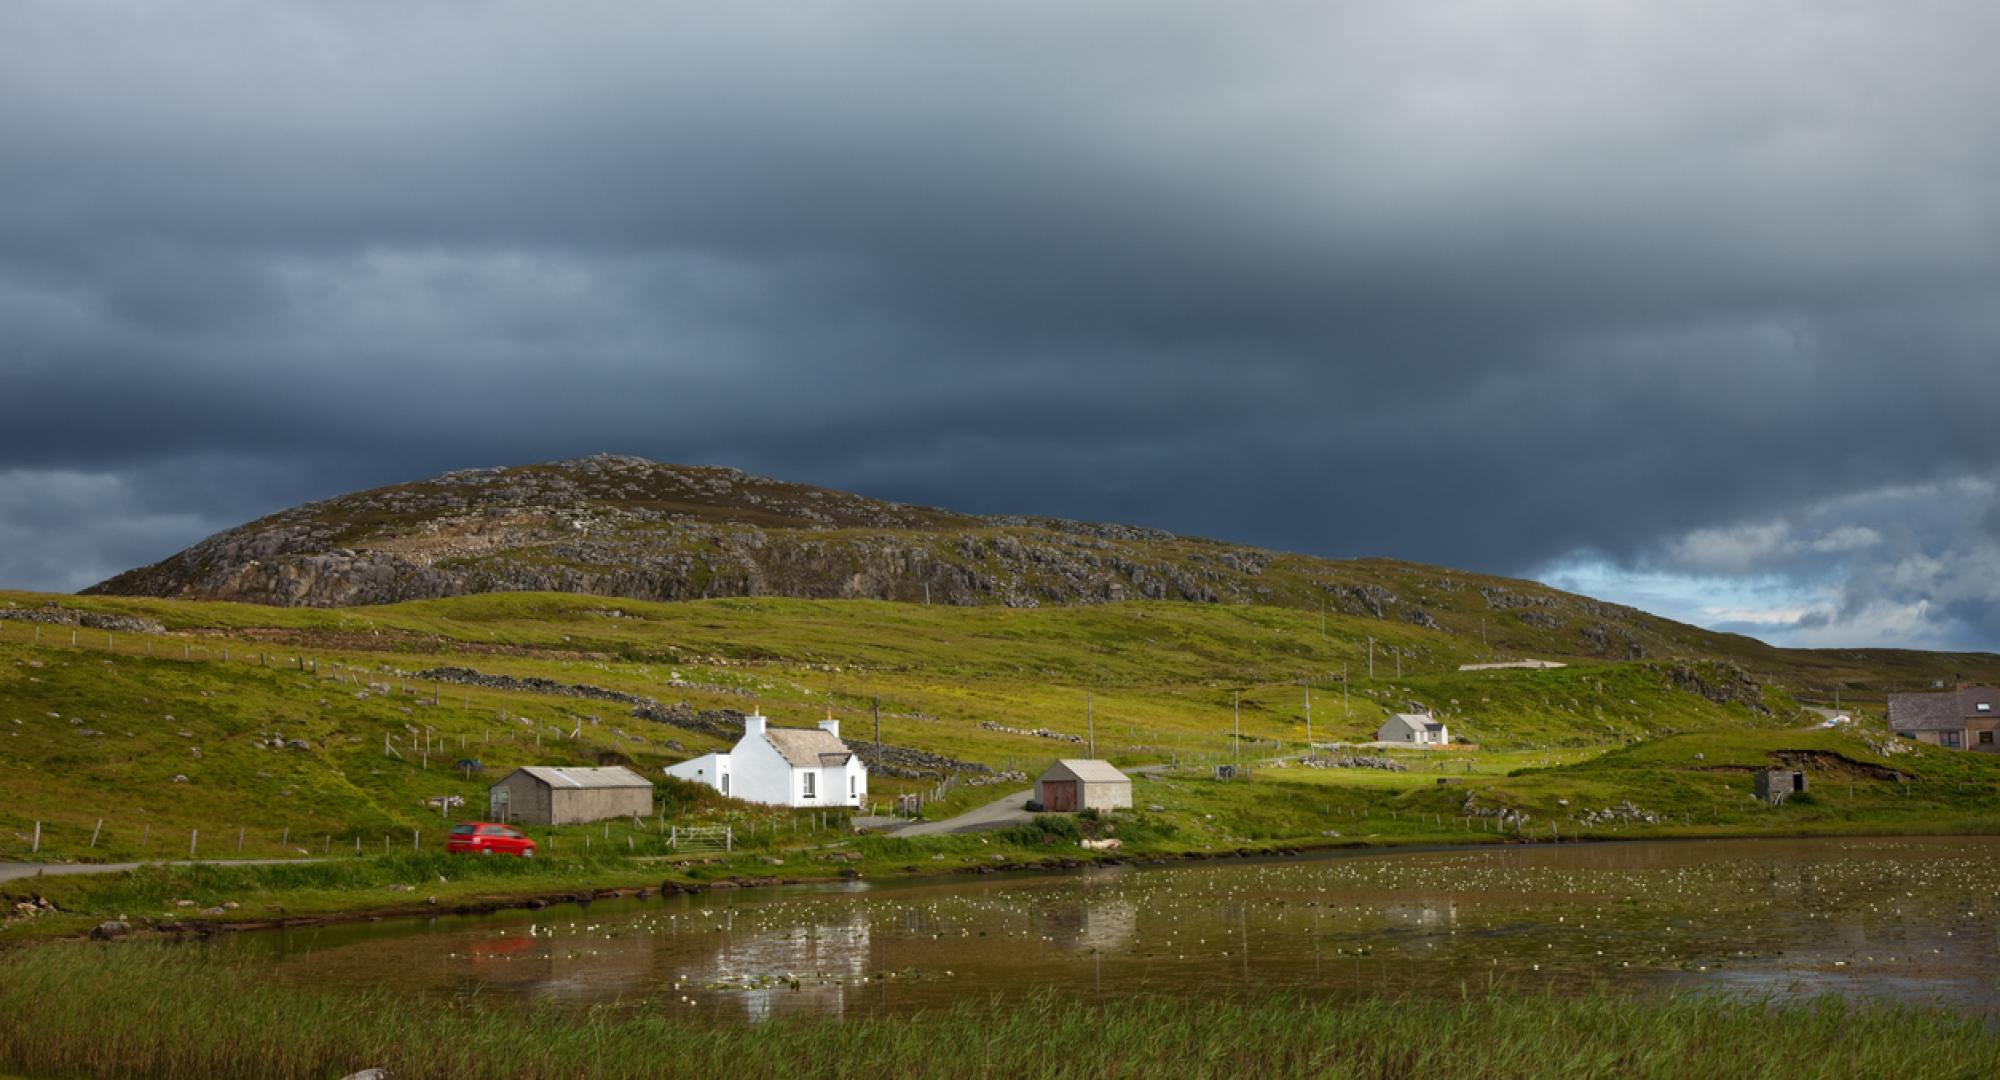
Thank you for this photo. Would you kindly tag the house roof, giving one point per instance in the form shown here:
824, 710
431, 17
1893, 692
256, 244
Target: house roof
808, 748
571, 776
1088, 770
1413, 722
1944, 710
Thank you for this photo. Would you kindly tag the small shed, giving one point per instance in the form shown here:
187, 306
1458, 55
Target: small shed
1084, 784
1774, 786
568, 795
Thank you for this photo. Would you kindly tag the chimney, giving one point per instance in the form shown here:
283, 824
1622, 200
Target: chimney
830, 726
753, 724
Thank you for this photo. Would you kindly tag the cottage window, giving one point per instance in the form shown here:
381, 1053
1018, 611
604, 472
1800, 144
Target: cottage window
809, 778
1950, 739
1983, 707
851, 789
1986, 738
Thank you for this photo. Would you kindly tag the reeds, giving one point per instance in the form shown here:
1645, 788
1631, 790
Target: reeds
174, 1011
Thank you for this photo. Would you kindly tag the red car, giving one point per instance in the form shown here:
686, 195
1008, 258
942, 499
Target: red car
487, 838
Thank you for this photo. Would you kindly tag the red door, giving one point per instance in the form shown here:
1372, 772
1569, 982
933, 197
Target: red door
1059, 794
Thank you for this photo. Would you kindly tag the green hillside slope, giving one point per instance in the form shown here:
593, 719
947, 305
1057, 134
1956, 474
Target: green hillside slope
291, 724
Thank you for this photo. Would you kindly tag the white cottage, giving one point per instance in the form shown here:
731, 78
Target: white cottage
783, 767
1410, 729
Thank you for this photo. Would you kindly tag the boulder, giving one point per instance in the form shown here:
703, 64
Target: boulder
110, 930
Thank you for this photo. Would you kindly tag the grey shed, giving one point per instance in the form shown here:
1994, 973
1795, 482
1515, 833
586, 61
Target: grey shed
568, 795
1775, 785
1084, 784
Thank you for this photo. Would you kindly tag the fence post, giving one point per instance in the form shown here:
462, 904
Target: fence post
144, 834
414, 846
193, 835
239, 839
94, 832
729, 838
37, 846
673, 835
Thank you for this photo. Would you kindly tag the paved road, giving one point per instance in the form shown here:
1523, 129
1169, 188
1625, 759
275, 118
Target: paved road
998, 814
13, 871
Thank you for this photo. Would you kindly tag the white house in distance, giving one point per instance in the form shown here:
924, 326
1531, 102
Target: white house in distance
1410, 729
783, 767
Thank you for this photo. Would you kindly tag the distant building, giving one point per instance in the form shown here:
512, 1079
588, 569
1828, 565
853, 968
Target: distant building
1410, 729
1083, 784
1513, 665
1961, 719
783, 767
564, 795
1774, 786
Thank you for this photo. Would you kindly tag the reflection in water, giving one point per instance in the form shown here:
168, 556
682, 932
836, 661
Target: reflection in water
1915, 919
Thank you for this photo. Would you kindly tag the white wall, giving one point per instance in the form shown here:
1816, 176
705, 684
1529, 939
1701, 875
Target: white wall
762, 774
707, 769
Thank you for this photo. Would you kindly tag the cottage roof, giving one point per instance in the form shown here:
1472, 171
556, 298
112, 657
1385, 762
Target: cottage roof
1945, 710
808, 748
1412, 721
571, 776
1088, 770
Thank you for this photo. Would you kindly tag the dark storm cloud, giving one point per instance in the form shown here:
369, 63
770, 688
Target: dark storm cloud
1518, 287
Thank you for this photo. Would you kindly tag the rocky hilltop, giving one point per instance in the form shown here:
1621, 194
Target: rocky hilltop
628, 527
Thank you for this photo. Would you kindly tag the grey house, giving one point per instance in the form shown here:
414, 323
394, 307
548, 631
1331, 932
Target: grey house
1963, 718
1084, 784
565, 795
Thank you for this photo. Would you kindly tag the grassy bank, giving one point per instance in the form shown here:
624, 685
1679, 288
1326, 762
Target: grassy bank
136, 1010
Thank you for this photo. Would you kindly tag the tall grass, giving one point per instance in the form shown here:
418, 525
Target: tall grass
161, 1011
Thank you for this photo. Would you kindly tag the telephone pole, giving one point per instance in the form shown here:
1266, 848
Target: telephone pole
1309, 719
878, 731
1090, 720
1236, 702
1371, 659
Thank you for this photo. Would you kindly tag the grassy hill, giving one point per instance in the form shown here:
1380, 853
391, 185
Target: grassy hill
300, 728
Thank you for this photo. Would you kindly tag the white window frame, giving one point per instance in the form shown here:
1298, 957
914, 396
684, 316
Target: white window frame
809, 784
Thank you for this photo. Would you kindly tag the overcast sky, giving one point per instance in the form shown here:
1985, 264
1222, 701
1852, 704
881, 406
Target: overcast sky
1693, 305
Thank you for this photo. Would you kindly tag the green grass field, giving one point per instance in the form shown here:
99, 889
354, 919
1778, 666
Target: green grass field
125, 746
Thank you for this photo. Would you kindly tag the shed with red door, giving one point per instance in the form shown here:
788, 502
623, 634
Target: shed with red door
1073, 784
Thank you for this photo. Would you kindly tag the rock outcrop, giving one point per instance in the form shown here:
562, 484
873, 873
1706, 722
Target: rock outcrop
620, 526
627, 527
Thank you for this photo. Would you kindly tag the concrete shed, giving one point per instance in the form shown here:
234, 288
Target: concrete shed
1084, 784
568, 795
1775, 785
